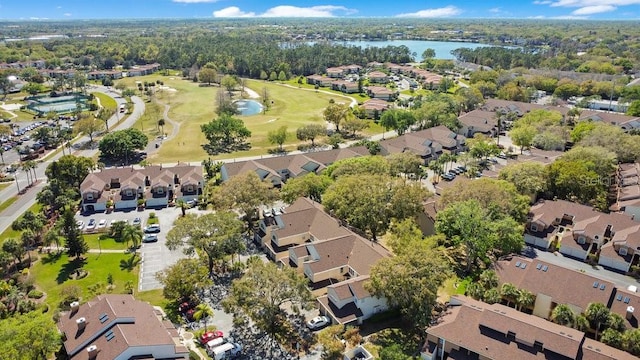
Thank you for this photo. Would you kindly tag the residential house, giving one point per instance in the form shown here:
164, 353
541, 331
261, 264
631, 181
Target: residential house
57, 73
375, 65
280, 168
331, 261
478, 121
429, 144
38, 64
335, 72
349, 303
628, 190
627, 304
627, 123
554, 285
623, 250
374, 108
141, 70
580, 230
519, 108
156, 186
303, 221
348, 87
103, 74
381, 92
428, 79
471, 329
378, 77
118, 327
319, 80
393, 68
352, 69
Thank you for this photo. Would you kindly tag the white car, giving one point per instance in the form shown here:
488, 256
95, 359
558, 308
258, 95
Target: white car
80, 224
102, 223
91, 224
318, 322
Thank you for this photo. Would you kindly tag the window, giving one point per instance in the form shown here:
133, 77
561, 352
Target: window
622, 251
581, 240
89, 196
160, 190
534, 227
128, 192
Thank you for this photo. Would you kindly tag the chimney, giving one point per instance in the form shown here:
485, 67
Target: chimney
74, 307
92, 350
82, 323
629, 314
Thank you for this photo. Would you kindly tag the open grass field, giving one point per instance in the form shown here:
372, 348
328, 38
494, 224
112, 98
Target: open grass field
192, 106
52, 273
94, 242
106, 101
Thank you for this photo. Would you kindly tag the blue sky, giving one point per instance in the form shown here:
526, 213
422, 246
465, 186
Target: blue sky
105, 9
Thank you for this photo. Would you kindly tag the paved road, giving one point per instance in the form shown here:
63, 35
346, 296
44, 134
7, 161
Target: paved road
28, 199
558, 259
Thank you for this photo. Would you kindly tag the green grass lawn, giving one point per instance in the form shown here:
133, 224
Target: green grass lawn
192, 106
5, 204
106, 101
94, 242
4, 185
53, 270
154, 297
10, 233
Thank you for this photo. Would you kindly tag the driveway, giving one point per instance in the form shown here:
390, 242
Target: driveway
154, 256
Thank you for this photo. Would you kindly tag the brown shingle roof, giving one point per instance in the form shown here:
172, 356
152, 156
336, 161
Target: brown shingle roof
564, 286
350, 250
313, 221
483, 329
133, 324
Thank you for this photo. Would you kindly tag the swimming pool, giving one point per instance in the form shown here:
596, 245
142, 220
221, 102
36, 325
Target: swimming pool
249, 107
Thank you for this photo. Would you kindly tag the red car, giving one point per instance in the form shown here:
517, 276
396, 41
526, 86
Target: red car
210, 335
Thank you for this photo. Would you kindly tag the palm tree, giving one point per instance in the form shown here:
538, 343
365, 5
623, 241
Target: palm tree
161, 125
489, 279
132, 233
525, 299
616, 322
492, 296
475, 290
183, 206
509, 292
597, 314
581, 323
563, 315
32, 166
51, 237
203, 311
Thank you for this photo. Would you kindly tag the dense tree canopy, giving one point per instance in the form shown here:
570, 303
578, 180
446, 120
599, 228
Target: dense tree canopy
183, 279
225, 134
121, 144
369, 202
28, 337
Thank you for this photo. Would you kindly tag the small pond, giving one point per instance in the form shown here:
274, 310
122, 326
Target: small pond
249, 107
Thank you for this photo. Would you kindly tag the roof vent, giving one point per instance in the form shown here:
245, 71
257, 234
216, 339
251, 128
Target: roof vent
545, 268
74, 306
595, 284
92, 350
82, 322
629, 314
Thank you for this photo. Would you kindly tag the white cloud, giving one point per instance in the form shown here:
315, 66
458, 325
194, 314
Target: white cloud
495, 10
67, 14
585, 3
595, 9
232, 11
447, 11
287, 11
194, 1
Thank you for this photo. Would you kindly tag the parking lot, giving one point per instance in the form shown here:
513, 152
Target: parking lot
155, 256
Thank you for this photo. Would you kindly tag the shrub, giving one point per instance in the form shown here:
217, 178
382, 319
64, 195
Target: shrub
193, 355
35, 294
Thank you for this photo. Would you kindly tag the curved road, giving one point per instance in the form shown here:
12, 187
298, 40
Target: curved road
25, 201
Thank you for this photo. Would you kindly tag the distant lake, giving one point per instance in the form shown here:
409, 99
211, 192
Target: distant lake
442, 48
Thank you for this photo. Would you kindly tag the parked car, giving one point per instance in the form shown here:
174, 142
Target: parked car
80, 224
318, 322
226, 351
154, 228
92, 224
102, 223
137, 221
210, 335
148, 238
